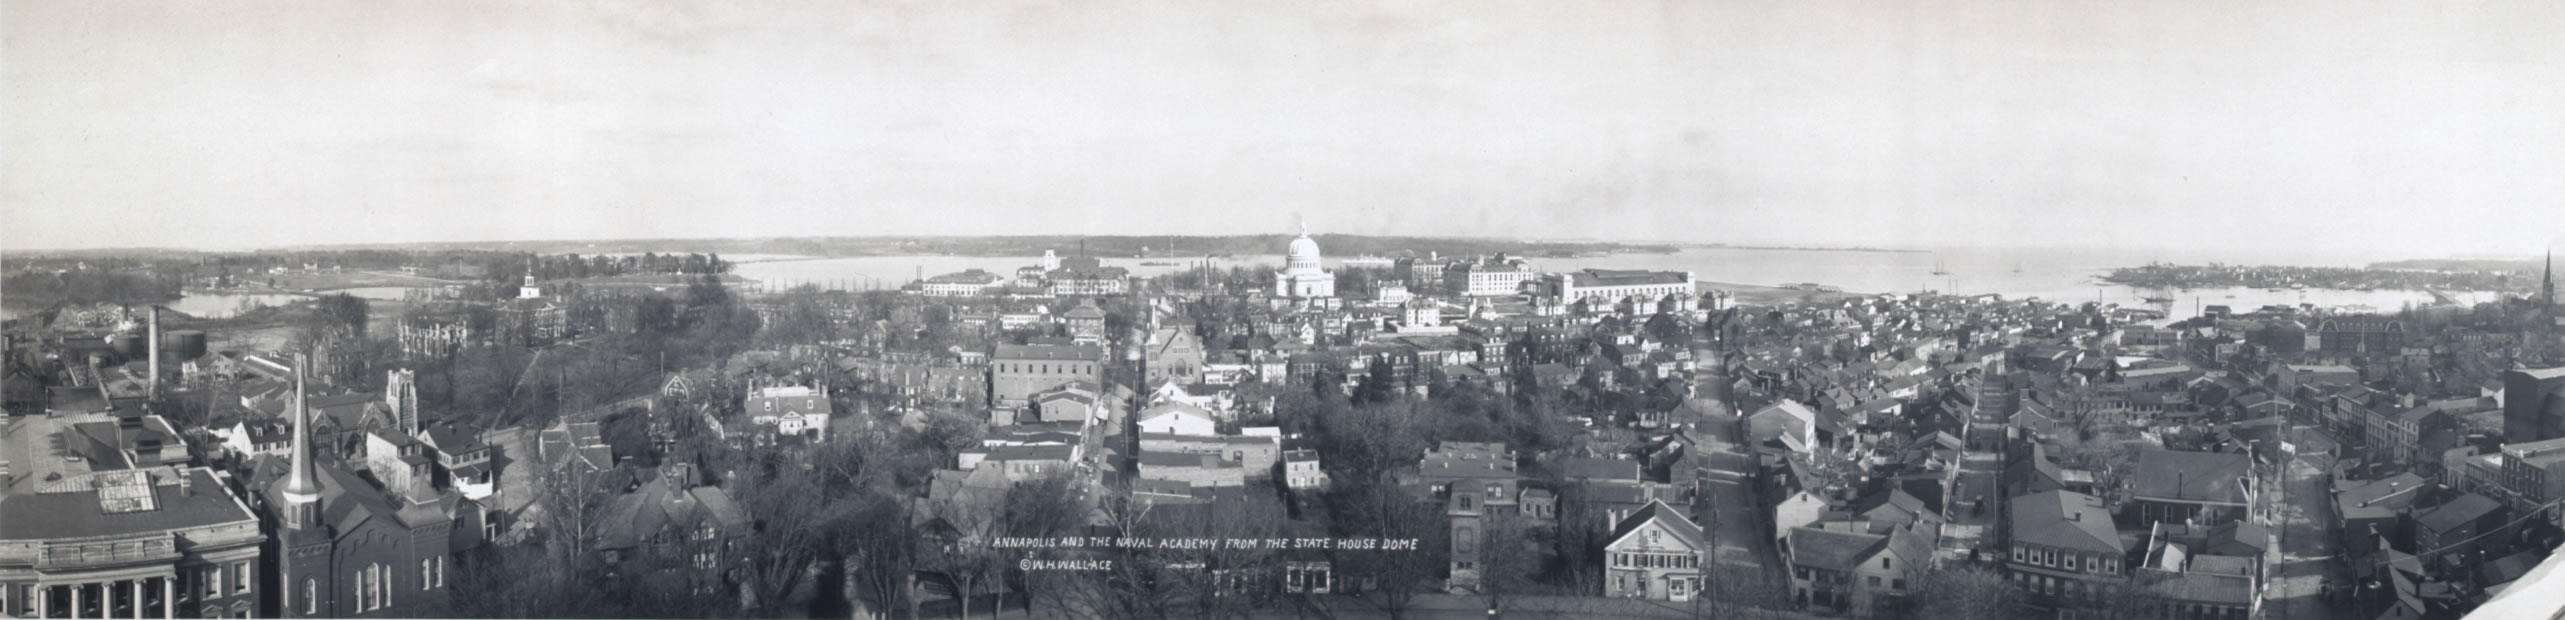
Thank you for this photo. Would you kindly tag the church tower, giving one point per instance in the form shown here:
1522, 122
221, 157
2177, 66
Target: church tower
529, 290
401, 394
2547, 282
302, 486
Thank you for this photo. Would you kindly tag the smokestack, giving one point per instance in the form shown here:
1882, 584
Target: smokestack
152, 338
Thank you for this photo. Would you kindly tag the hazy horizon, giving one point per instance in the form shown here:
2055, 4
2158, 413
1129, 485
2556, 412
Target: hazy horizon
2393, 131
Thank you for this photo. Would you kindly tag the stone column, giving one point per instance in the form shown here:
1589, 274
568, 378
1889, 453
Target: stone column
169, 596
136, 589
43, 591
75, 599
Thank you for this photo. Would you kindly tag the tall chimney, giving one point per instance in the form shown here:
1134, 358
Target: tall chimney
152, 329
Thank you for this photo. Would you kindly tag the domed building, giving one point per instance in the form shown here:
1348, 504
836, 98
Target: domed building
1302, 277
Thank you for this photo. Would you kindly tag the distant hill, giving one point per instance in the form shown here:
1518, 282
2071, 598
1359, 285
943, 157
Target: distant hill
1065, 245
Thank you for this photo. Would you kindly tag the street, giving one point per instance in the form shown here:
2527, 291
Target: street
1727, 509
2307, 550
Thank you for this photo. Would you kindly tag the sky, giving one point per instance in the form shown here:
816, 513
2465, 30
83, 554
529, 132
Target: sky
2407, 129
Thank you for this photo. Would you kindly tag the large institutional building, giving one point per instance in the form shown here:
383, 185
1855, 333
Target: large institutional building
1302, 277
1616, 285
100, 517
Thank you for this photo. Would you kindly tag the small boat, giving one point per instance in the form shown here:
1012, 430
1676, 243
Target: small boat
1938, 269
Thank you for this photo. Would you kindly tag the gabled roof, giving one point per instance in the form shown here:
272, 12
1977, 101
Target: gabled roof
1166, 409
632, 518
1831, 549
2066, 520
1674, 522
1896, 504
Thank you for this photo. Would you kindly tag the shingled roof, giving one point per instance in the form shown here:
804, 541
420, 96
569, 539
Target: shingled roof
1673, 521
2191, 477
2066, 520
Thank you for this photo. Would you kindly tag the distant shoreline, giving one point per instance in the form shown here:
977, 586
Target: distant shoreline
1798, 248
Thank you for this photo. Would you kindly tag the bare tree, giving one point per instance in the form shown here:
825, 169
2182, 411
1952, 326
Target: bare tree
1509, 560
795, 525
1964, 592
881, 553
959, 544
1379, 509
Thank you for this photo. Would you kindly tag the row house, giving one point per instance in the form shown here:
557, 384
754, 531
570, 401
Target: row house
2063, 545
2197, 487
1868, 570
1255, 454
1656, 554
1485, 468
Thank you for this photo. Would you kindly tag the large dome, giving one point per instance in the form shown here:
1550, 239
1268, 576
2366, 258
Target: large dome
1304, 248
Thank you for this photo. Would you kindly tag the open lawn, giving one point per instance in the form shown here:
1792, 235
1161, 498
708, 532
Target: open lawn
299, 281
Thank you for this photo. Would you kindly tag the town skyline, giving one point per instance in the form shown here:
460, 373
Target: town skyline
1971, 125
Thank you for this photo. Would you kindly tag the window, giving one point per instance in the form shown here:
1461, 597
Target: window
1874, 581
1883, 563
213, 581
1897, 584
364, 595
426, 565
311, 596
383, 583
440, 571
240, 577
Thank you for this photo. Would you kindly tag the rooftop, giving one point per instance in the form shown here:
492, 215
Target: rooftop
2457, 512
1621, 277
2206, 477
125, 502
2066, 520
1831, 549
1074, 352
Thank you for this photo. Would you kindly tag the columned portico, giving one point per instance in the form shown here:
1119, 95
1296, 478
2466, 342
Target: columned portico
115, 599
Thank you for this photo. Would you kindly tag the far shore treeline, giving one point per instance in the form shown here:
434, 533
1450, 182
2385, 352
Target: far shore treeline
1027, 245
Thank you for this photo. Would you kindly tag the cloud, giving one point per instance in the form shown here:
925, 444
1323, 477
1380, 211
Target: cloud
516, 80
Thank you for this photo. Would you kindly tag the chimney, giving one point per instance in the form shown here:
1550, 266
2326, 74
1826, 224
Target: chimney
129, 427
152, 335
186, 483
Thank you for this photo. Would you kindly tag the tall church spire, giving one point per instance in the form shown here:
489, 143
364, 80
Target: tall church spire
302, 487
2547, 281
